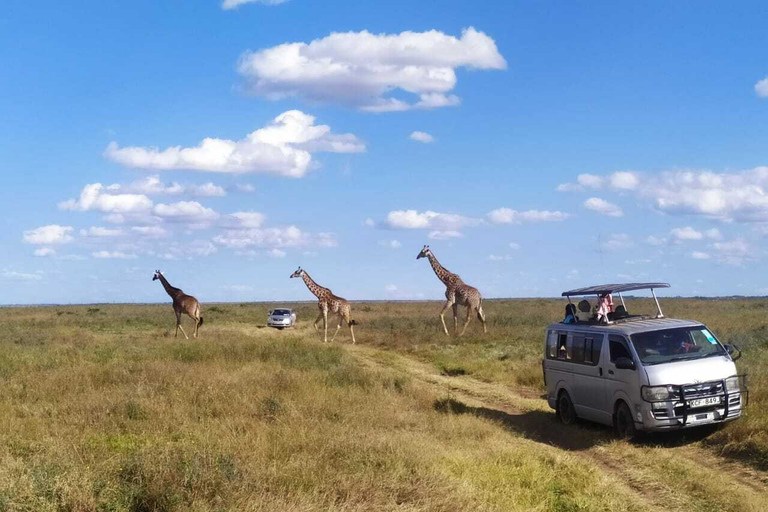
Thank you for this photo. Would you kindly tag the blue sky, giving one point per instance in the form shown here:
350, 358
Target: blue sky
560, 145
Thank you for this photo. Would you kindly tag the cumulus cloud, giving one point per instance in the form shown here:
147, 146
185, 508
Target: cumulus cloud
248, 219
276, 253
509, 216
44, 252
688, 233
603, 207
444, 235
246, 187
152, 185
234, 4
49, 235
422, 137
99, 232
698, 255
109, 255
413, 219
761, 88
185, 211
150, 231
624, 180
617, 241
285, 148
620, 180
272, 238
361, 70
734, 252
22, 276
94, 197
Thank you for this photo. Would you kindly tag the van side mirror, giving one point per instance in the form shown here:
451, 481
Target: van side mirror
731, 349
624, 363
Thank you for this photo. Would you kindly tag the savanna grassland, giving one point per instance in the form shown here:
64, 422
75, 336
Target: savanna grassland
101, 409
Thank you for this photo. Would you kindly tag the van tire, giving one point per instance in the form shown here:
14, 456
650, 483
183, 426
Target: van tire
565, 410
624, 423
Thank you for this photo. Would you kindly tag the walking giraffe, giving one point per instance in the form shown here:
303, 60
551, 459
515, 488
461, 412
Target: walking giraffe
182, 303
327, 301
457, 294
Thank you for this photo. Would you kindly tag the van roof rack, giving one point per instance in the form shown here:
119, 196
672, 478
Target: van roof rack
605, 289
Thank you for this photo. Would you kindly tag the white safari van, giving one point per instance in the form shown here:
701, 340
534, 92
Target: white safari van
635, 372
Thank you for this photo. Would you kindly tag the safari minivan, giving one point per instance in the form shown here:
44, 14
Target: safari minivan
635, 372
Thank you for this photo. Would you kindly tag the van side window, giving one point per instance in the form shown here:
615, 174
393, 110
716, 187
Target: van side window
588, 342
618, 348
552, 345
562, 346
597, 347
578, 348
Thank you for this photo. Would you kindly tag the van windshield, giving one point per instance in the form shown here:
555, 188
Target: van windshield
281, 312
680, 344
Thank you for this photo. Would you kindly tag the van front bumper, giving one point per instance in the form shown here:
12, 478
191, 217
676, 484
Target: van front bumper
673, 415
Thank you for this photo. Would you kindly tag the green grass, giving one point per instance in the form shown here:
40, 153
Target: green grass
101, 409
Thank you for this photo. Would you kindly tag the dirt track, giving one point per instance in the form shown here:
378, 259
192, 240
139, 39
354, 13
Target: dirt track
669, 472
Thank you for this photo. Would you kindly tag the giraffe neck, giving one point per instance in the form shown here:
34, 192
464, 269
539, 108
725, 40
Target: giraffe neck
442, 273
173, 292
315, 288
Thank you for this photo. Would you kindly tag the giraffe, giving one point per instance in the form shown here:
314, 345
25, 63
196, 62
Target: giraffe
327, 301
182, 303
457, 294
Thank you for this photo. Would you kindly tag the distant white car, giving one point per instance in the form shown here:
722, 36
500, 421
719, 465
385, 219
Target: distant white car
281, 318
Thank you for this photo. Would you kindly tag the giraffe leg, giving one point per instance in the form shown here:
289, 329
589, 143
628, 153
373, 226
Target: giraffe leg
182, 330
469, 317
481, 316
442, 316
455, 318
352, 331
338, 326
317, 320
325, 326
178, 324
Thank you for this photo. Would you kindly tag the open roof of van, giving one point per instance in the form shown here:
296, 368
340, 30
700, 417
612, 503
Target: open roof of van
604, 289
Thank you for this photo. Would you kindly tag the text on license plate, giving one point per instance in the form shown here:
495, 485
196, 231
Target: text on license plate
703, 402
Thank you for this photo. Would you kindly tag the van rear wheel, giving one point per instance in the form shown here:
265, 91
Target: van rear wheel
565, 410
624, 423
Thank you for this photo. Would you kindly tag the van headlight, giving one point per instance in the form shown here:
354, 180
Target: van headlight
660, 393
732, 384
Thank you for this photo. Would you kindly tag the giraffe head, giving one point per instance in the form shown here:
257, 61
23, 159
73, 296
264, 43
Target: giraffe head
424, 252
299, 273
157, 275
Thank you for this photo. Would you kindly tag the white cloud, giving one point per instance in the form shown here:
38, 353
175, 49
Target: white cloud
276, 253
603, 207
761, 88
246, 187
655, 240
423, 137
48, 235
444, 235
687, 233
150, 231
234, 4
249, 219
93, 197
624, 180
514, 245
44, 252
22, 276
185, 211
617, 242
735, 252
500, 257
113, 255
284, 148
391, 288
713, 233
99, 232
412, 219
698, 255
361, 69
369, 222
392, 244
509, 216
589, 180
152, 185
289, 236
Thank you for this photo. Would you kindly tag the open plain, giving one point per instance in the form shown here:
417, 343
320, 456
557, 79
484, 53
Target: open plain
102, 409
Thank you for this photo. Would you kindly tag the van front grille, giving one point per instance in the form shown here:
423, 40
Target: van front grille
703, 390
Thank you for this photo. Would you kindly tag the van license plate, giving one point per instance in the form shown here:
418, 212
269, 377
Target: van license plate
703, 402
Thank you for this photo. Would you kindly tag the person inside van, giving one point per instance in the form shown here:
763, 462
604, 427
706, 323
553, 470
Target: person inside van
604, 307
570, 314
584, 313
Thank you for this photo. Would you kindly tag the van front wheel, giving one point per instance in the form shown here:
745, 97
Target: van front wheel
565, 410
624, 423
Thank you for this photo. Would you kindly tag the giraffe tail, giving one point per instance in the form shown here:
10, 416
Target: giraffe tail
201, 321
